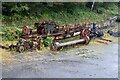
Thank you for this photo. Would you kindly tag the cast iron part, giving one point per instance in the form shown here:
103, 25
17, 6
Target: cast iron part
85, 39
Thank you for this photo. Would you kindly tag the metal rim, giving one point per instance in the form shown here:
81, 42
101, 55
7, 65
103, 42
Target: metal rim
85, 32
21, 49
53, 47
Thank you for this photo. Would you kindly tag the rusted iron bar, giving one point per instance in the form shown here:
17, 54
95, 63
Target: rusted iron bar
56, 46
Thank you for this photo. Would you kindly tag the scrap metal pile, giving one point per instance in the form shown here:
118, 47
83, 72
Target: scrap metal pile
30, 40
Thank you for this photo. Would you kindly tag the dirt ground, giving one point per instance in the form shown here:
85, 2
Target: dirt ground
95, 60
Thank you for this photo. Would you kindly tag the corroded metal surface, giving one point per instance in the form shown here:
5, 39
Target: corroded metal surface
50, 28
85, 39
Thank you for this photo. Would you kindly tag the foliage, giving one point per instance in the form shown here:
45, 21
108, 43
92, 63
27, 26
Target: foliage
100, 10
10, 33
62, 12
46, 42
15, 15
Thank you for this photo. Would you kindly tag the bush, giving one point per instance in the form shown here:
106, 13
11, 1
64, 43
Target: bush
46, 42
100, 10
10, 33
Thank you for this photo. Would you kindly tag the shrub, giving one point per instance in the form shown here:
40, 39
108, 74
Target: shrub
46, 42
10, 34
100, 10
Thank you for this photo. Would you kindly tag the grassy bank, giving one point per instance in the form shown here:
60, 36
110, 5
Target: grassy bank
63, 13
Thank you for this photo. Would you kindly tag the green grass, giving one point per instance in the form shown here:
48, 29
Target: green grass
79, 15
10, 33
61, 16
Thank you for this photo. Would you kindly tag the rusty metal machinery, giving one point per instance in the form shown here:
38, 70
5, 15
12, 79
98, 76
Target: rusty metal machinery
28, 44
49, 28
84, 39
44, 29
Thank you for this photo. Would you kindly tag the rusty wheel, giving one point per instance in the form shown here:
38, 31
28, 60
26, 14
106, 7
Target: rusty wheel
21, 49
87, 39
85, 32
54, 47
86, 35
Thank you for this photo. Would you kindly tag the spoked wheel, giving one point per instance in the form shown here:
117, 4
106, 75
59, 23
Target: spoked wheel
86, 35
21, 49
85, 32
54, 47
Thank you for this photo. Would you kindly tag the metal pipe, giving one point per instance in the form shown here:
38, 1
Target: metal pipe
70, 43
57, 45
